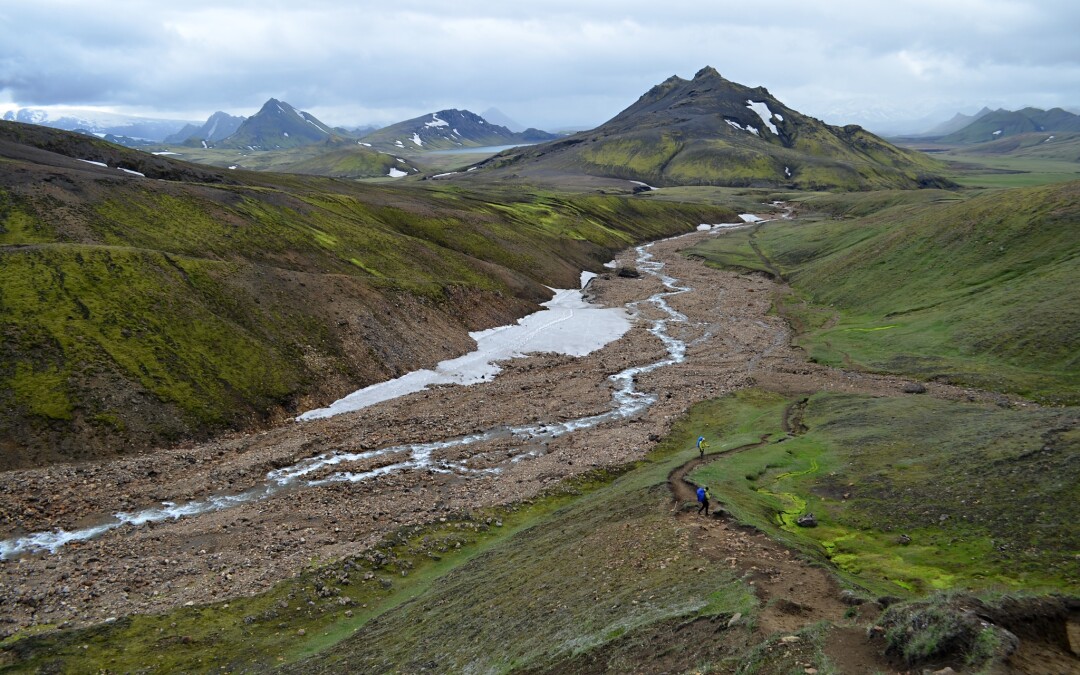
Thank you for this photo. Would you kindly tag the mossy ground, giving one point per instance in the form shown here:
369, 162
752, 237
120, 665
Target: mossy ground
972, 291
916, 494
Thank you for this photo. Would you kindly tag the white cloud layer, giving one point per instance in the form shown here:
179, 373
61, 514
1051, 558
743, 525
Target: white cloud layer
549, 63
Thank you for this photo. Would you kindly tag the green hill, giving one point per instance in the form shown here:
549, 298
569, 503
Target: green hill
138, 311
710, 131
1004, 123
976, 291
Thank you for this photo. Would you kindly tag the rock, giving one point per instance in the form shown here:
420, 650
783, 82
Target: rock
807, 520
903, 540
734, 619
849, 597
1072, 629
629, 273
789, 639
944, 671
914, 388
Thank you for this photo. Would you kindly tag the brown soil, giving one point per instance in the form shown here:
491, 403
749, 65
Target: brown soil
733, 343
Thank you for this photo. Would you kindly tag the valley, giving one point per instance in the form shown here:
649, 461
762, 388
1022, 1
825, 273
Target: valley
881, 355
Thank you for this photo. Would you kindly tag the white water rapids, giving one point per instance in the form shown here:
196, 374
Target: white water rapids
627, 403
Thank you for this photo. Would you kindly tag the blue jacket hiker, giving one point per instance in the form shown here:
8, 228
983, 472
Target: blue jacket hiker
701, 445
703, 497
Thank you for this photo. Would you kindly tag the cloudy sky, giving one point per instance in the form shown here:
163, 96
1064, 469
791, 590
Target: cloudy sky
547, 63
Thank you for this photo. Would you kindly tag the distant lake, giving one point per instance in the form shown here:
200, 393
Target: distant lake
484, 150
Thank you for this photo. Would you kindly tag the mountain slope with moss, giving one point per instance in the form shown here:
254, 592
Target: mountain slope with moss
973, 290
711, 131
138, 311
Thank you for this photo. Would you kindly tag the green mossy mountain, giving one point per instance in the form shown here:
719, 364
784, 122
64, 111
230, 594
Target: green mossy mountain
710, 131
136, 311
1004, 123
449, 129
278, 125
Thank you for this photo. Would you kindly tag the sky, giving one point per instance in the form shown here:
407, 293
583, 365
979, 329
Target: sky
551, 64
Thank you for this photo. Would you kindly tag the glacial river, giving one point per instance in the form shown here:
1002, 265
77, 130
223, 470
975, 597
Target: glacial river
626, 402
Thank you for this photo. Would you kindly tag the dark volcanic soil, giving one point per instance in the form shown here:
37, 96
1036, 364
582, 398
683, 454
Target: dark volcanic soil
733, 343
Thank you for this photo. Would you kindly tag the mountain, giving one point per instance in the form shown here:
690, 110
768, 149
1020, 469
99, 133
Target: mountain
217, 127
958, 122
94, 121
278, 125
710, 131
448, 129
1002, 123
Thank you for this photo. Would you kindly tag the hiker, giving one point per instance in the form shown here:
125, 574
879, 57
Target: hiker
701, 445
703, 497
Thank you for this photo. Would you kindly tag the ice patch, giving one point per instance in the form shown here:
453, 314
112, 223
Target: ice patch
416, 139
436, 122
90, 161
764, 113
568, 325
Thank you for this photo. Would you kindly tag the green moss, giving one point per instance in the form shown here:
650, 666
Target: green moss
917, 494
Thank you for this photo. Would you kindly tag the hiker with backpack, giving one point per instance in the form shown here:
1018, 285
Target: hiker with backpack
703, 497
701, 446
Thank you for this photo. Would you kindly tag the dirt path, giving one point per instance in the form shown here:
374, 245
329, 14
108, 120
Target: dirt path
732, 342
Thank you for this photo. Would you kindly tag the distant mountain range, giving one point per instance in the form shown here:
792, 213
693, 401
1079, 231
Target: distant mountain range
98, 123
217, 127
1002, 123
711, 131
448, 129
958, 122
278, 125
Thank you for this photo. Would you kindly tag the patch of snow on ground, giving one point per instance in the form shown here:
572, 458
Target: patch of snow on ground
133, 173
764, 113
400, 160
366, 145
734, 124
436, 122
207, 146
998, 132
443, 175
568, 325
752, 130
611, 264
416, 139
399, 144
285, 134
166, 152
787, 171
397, 173
233, 166
472, 168
637, 182
750, 218
455, 132
90, 161
1048, 139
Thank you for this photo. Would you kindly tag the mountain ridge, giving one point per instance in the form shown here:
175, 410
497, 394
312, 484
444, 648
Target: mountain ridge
711, 131
448, 129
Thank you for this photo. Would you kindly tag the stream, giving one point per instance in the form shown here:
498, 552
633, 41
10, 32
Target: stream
627, 403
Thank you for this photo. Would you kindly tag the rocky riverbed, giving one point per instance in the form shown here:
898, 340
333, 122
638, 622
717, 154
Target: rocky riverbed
731, 342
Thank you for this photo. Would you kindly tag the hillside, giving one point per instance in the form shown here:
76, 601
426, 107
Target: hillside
1001, 124
278, 125
138, 311
975, 291
710, 131
449, 129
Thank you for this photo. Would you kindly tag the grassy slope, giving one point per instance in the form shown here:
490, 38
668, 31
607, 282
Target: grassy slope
984, 494
207, 306
977, 291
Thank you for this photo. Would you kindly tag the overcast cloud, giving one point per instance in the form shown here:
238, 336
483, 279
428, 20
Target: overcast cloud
548, 63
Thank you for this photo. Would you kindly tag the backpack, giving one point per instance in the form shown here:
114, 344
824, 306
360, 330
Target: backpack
701, 494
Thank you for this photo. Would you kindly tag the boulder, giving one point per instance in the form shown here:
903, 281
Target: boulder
806, 520
914, 388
